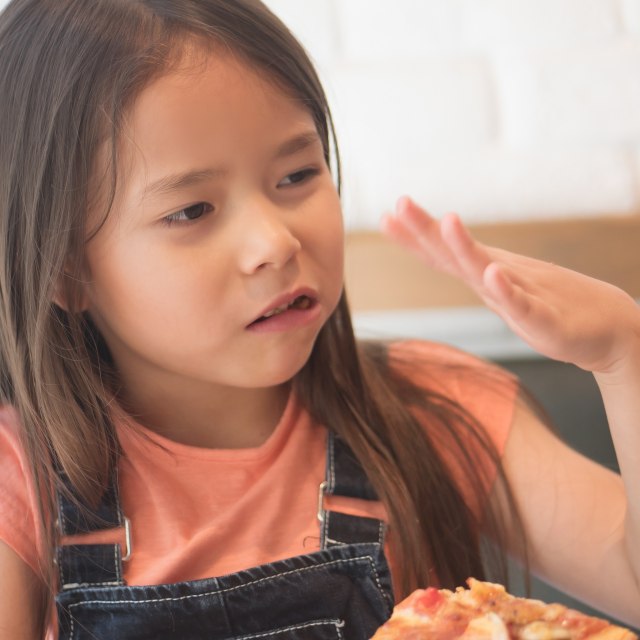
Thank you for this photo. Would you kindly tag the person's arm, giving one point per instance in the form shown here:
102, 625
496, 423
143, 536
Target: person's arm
583, 521
20, 598
573, 511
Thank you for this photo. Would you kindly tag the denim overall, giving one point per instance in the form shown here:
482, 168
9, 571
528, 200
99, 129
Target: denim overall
341, 591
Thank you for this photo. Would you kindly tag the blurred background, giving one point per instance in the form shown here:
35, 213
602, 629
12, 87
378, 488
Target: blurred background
521, 115
498, 109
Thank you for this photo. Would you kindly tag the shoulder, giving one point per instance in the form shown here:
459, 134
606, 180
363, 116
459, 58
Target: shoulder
14, 466
10, 445
476, 387
448, 370
18, 501
13, 460
437, 354
14, 474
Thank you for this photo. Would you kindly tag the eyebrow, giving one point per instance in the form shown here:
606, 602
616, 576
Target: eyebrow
177, 181
297, 143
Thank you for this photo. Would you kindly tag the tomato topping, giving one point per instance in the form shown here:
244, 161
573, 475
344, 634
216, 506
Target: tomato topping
430, 600
580, 624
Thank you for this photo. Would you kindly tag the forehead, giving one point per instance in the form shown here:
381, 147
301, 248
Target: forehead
206, 99
210, 110
206, 109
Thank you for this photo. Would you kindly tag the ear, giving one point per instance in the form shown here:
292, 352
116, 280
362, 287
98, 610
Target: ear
70, 293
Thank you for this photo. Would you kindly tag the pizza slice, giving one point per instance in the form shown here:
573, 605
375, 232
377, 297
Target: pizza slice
486, 611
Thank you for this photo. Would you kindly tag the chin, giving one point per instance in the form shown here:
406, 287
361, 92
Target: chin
283, 369
283, 375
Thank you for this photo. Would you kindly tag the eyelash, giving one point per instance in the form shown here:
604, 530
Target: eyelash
176, 218
304, 174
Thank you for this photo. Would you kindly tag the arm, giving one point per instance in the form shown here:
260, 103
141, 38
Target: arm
583, 522
20, 604
573, 511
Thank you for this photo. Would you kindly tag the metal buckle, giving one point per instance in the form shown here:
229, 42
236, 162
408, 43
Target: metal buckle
127, 539
321, 489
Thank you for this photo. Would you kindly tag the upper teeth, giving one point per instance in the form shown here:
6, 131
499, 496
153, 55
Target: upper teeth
301, 302
273, 312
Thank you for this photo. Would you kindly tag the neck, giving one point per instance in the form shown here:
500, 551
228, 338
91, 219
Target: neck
227, 418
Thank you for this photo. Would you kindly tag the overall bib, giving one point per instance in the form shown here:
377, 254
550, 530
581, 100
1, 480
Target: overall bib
341, 591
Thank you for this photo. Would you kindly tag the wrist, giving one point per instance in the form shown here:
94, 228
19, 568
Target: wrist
625, 366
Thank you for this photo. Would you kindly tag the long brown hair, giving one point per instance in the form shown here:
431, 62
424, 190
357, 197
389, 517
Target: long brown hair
69, 70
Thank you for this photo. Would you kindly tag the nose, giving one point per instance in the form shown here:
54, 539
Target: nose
268, 241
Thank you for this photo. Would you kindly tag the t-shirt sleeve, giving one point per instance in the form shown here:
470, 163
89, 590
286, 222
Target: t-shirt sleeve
17, 499
482, 390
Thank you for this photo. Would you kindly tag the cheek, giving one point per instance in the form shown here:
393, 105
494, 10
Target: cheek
334, 255
331, 232
133, 285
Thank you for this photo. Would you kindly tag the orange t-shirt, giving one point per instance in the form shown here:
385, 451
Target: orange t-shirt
198, 513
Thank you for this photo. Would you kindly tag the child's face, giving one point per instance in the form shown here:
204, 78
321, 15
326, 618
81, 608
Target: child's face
225, 205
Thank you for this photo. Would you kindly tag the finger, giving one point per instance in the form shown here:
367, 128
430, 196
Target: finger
536, 277
499, 285
427, 252
508, 275
416, 218
398, 232
529, 315
427, 233
472, 257
518, 260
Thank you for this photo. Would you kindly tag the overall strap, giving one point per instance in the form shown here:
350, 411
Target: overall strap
346, 477
90, 564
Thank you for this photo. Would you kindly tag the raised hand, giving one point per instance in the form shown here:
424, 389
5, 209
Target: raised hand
560, 313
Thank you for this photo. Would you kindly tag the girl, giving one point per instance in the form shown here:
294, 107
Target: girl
192, 442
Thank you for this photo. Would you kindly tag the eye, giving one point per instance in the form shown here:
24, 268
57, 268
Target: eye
297, 177
188, 214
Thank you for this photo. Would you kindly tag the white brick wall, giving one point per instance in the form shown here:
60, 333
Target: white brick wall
539, 24
500, 109
372, 30
631, 16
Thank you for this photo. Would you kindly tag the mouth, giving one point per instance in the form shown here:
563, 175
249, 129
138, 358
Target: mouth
299, 303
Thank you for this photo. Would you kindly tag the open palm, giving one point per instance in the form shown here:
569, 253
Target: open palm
560, 313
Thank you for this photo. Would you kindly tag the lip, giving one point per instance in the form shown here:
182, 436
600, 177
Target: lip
287, 298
